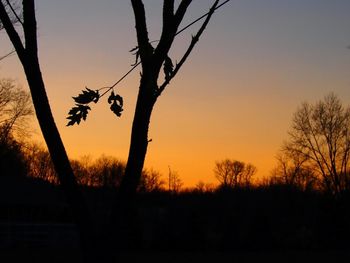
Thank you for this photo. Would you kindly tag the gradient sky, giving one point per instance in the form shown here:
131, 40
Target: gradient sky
234, 98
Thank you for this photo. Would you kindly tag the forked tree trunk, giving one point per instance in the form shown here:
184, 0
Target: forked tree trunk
152, 60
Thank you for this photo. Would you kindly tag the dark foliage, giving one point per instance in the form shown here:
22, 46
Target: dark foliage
77, 113
87, 96
168, 67
116, 102
81, 109
12, 161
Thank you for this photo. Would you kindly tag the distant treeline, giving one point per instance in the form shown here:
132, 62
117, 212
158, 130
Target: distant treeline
28, 159
315, 156
31, 160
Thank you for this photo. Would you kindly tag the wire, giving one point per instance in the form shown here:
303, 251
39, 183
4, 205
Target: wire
200, 18
177, 33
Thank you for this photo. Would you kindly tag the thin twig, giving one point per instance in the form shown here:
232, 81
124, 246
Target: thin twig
14, 12
123, 77
7, 55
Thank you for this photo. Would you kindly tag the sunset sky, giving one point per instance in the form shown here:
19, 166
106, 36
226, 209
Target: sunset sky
234, 98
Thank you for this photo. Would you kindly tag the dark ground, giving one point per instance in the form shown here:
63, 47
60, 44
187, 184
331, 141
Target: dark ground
67, 256
274, 224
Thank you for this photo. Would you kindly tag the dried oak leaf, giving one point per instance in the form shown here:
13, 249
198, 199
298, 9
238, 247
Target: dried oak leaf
116, 102
87, 96
168, 67
77, 113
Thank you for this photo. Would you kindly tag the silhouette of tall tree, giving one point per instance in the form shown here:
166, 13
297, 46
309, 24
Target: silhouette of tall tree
152, 61
320, 133
27, 51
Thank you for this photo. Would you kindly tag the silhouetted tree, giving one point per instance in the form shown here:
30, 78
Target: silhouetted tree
39, 163
27, 50
153, 59
320, 134
151, 181
15, 110
202, 187
292, 170
174, 181
82, 170
107, 172
232, 173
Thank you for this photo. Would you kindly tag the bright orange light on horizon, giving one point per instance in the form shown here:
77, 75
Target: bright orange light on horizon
234, 98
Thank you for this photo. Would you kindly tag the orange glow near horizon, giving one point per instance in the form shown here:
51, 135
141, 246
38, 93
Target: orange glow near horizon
234, 97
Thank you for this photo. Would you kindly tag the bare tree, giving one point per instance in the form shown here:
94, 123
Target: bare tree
39, 163
82, 170
151, 181
202, 187
320, 133
292, 169
16, 109
27, 51
232, 173
152, 61
107, 172
174, 181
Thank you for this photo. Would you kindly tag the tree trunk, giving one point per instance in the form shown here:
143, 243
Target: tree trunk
27, 51
59, 156
124, 214
139, 139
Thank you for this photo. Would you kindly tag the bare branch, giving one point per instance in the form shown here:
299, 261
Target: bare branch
189, 49
29, 27
11, 32
168, 13
181, 10
18, 19
171, 23
168, 33
141, 29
